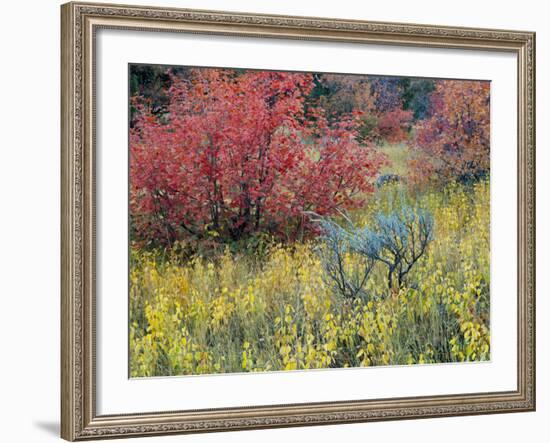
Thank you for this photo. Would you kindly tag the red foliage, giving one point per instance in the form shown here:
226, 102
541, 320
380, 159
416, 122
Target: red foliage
236, 153
384, 118
454, 143
393, 126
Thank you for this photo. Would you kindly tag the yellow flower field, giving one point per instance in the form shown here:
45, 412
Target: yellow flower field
237, 312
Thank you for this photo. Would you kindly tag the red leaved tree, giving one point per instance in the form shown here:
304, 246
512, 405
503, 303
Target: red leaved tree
236, 154
393, 125
454, 142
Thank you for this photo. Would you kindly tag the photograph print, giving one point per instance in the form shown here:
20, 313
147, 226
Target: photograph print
301, 220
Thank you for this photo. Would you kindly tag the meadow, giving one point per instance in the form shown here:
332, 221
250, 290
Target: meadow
269, 306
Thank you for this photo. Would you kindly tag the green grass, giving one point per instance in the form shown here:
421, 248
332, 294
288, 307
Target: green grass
398, 156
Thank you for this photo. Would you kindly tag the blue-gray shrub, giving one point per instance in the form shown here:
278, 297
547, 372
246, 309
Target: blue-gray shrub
337, 242
385, 179
396, 241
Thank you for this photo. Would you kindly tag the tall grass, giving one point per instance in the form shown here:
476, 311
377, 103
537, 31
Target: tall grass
241, 312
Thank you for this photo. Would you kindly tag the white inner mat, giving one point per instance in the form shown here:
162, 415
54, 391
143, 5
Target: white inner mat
116, 393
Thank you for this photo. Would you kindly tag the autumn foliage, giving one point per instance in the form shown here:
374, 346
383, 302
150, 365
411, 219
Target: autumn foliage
240, 152
383, 117
294, 221
454, 142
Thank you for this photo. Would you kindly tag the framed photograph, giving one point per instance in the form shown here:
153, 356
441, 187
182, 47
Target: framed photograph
283, 221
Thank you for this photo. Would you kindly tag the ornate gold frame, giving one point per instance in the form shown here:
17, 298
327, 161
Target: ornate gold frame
79, 21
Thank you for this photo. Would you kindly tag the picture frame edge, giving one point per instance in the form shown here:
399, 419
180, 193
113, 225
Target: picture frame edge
78, 419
